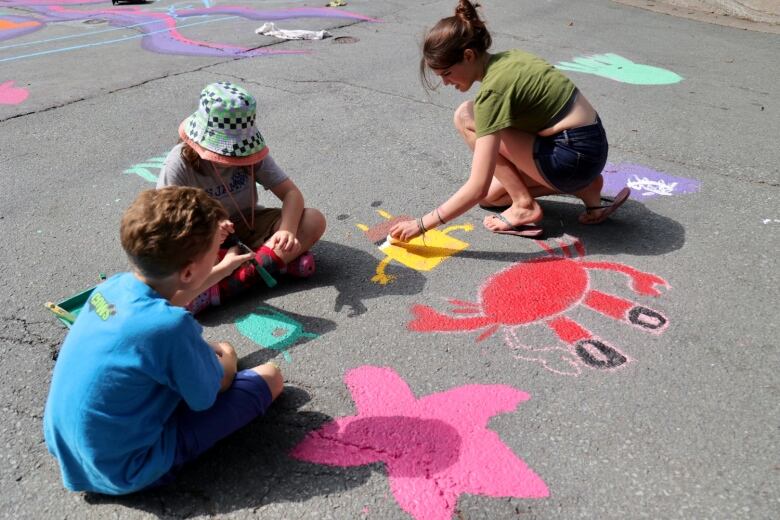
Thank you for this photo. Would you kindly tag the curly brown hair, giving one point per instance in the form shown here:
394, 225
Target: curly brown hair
165, 229
445, 43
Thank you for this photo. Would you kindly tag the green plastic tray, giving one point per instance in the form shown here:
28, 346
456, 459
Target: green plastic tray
74, 304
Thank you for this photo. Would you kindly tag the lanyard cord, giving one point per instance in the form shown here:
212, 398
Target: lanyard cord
233, 200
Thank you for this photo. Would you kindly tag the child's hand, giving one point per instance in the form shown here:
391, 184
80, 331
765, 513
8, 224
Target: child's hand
283, 241
225, 228
405, 230
229, 360
233, 259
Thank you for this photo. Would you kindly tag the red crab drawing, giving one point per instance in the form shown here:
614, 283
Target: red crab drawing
542, 290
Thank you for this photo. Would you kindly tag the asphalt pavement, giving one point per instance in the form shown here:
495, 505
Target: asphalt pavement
626, 370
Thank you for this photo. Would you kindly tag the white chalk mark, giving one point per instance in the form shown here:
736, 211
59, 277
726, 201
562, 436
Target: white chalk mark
650, 187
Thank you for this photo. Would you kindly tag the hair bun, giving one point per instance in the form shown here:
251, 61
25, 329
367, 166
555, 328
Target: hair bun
467, 11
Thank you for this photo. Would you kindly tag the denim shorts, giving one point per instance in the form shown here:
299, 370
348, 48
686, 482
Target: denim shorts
572, 159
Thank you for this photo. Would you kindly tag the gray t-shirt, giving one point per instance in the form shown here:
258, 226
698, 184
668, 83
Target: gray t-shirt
176, 172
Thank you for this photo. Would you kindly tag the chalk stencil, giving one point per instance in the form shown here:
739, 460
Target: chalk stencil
618, 68
540, 291
645, 182
148, 170
420, 253
272, 329
12, 95
434, 448
159, 30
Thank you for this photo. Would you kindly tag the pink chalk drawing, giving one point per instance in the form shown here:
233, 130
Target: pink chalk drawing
645, 182
434, 448
160, 31
31, 3
541, 291
10, 95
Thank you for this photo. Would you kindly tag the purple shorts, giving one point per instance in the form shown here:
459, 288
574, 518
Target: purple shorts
247, 398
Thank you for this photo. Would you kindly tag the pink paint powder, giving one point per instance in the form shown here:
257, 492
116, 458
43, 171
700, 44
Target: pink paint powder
10, 95
434, 448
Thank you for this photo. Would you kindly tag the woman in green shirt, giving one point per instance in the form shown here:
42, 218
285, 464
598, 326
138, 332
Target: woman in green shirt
532, 132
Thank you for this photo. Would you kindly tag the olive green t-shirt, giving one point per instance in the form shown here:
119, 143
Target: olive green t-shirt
519, 90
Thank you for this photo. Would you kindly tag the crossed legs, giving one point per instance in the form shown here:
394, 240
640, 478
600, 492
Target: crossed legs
310, 229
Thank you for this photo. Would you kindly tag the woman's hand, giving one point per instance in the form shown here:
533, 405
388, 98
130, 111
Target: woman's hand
224, 228
405, 230
232, 260
283, 241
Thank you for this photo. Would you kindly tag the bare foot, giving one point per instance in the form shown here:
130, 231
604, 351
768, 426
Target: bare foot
516, 216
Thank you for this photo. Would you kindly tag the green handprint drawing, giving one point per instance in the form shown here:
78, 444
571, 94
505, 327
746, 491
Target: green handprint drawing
621, 69
143, 169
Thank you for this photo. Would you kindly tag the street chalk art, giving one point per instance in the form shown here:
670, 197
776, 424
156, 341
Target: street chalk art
618, 68
434, 448
10, 95
148, 170
159, 30
14, 26
645, 182
541, 291
420, 254
271, 329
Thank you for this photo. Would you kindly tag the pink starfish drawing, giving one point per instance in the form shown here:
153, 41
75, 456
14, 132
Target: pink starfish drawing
435, 448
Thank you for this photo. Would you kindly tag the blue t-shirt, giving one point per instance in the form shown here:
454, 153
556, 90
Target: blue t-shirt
126, 364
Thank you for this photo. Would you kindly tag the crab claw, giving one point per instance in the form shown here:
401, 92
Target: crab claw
428, 320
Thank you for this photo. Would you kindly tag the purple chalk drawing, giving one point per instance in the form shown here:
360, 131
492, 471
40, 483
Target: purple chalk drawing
13, 26
160, 32
645, 182
30, 3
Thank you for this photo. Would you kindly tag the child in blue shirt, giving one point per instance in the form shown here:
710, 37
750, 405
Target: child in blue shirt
136, 391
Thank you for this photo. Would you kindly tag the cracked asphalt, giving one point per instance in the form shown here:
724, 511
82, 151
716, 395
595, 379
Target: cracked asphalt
687, 428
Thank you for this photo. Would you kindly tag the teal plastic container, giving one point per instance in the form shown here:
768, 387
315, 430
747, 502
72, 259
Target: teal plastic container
74, 304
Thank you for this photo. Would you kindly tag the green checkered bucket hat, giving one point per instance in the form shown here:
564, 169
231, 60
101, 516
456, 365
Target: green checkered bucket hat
223, 128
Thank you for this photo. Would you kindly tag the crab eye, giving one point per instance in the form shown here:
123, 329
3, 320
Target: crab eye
646, 318
603, 357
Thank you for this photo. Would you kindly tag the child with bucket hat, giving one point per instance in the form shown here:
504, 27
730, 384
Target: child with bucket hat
223, 152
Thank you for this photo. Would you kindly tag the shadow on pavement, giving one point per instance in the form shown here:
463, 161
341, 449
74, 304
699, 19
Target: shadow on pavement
633, 229
344, 268
248, 469
278, 329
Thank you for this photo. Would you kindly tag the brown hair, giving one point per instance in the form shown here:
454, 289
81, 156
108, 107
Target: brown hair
190, 156
163, 230
194, 161
445, 43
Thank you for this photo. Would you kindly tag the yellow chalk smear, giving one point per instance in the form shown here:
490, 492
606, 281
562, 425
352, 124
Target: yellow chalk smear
423, 256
